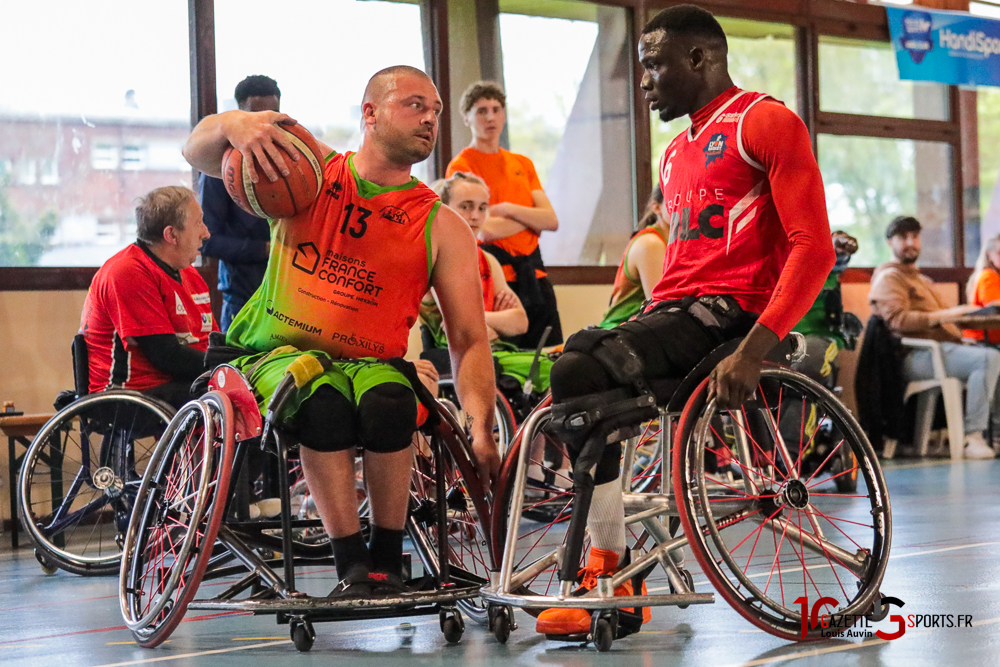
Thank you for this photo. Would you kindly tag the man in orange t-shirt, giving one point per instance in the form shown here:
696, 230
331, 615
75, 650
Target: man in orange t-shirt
519, 209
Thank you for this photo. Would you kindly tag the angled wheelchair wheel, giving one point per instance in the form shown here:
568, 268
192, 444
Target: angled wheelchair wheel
504, 423
774, 538
647, 460
467, 510
178, 511
544, 508
80, 477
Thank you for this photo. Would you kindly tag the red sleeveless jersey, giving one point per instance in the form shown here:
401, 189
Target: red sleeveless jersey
725, 234
345, 276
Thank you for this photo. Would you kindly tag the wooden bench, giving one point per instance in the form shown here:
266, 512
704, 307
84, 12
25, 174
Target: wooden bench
20, 429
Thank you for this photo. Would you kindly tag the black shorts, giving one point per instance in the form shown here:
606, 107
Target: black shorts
668, 338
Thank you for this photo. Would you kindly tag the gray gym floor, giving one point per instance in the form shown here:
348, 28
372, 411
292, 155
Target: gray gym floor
944, 561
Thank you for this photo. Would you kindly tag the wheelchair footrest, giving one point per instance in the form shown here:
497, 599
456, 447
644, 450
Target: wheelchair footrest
308, 605
588, 602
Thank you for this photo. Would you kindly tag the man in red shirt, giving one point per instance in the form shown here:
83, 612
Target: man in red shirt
748, 251
147, 315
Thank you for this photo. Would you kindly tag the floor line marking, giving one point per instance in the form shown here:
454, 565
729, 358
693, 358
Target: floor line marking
182, 656
204, 617
58, 604
851, 647
250, 646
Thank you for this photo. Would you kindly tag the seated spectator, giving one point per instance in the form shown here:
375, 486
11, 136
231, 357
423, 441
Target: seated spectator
823, 325
642, 264
505, 316
904, 298
240, 241
983, 288
147, 315
519, 210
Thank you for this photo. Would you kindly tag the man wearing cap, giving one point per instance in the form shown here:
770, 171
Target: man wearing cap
906, 300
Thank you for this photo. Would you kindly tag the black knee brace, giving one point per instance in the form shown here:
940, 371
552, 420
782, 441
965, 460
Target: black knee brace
326, 421
387, 418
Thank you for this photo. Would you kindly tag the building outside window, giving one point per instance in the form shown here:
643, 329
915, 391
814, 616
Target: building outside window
73, 128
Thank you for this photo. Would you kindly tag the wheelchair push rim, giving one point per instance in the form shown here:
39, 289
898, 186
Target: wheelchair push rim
177, 516
92, 453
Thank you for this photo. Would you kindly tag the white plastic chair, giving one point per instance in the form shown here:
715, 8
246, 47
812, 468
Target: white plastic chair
927, 392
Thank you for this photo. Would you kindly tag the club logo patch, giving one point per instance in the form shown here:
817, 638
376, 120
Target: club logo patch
179, 305
395, 214
715, 148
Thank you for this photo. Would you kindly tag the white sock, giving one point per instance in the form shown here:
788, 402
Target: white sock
606, 520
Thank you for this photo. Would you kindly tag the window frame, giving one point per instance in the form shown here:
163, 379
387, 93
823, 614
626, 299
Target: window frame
810, 19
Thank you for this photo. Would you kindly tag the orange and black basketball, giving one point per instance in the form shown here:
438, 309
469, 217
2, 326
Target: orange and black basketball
285, 197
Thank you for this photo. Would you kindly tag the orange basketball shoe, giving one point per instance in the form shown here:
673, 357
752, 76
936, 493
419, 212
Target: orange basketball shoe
559, 623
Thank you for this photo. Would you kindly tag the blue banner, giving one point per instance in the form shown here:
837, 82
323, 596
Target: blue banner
948, 47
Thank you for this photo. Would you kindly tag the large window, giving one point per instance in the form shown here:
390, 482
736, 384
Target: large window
96, 104
761, 58
570, 112
322, 76
872, 178
869, 181
862, 78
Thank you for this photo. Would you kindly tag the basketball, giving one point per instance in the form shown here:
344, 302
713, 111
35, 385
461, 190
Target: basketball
285, 197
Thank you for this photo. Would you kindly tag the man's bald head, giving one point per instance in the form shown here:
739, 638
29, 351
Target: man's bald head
385, 80
399, 114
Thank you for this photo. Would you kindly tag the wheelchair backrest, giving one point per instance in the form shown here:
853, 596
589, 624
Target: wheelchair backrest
81, 367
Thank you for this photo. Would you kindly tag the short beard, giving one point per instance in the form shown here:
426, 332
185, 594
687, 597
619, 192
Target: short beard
907, 260
399, 153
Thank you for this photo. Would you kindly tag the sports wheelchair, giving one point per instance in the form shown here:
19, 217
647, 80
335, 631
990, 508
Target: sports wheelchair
79, 477
183, 529
729, 485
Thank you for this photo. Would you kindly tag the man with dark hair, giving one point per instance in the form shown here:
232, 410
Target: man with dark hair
147, 315
240, 241
906, 300
748, 251
519, 210
263, 88
315, 299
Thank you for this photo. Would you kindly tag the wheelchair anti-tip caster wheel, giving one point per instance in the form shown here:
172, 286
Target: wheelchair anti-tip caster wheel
689, 580
452, 625
501, 619
603, 627
879, 610
303, 634
48, 567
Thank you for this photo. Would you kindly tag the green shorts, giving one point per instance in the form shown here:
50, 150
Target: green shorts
351, 377
518, 364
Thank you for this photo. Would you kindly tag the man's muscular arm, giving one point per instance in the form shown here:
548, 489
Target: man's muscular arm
455, 279
251, 133
777, 139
